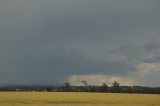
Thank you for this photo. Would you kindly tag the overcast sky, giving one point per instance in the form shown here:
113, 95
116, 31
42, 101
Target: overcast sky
54, 41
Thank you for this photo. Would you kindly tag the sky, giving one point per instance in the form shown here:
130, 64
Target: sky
100, 41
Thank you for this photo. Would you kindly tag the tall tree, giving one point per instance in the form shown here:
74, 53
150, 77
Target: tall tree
67, 86
104, 87
116, 87
85, 84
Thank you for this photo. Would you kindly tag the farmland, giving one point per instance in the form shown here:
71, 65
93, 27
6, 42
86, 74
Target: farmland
77, 99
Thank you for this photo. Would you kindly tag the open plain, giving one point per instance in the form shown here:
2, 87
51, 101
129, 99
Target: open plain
77, 99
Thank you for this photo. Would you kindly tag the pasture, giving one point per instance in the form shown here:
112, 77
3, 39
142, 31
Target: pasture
77, 99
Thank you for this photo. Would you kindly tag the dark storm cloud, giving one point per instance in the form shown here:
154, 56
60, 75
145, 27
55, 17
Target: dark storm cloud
43, 41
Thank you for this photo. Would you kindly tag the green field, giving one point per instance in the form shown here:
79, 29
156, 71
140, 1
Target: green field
76, 99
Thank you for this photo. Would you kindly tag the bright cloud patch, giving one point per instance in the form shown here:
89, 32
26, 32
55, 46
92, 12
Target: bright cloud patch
98, 79
148, 74
149, 67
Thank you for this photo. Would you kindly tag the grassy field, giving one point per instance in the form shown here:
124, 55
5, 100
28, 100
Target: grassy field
76, 99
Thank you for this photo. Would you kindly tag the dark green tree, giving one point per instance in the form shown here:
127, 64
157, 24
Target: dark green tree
67, 86
116, 87
85, 84
104, 87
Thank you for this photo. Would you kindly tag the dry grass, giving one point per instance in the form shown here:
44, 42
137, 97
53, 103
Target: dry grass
76, 99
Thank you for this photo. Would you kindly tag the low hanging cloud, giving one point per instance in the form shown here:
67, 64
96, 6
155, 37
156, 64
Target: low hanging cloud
98, 79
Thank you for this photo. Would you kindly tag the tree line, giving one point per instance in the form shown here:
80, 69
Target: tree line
114, 88
67, 87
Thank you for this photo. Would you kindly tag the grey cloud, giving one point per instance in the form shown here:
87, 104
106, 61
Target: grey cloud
152, 59
152, 46
147, 53
43, 40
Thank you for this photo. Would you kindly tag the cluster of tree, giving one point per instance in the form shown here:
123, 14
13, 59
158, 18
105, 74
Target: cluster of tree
115, 88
